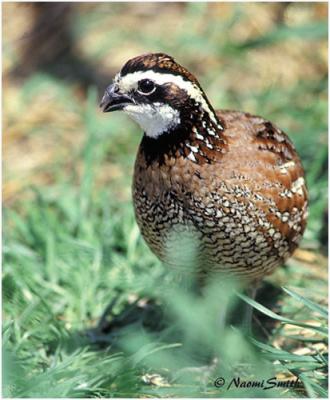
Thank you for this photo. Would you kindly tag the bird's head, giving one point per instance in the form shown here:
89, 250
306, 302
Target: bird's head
160, 95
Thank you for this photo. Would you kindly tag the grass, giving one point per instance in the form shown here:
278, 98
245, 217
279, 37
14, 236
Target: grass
71, 244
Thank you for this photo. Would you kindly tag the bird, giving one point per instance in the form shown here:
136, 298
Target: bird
229, 181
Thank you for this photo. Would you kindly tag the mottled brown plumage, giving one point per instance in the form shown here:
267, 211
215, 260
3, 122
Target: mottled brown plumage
230, 181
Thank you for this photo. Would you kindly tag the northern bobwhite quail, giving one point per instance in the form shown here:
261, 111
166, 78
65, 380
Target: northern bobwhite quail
230, 179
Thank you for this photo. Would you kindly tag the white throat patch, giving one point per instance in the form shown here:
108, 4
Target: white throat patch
130, 82
153, 119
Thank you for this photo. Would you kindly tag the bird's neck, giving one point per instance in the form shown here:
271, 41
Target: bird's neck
198, 134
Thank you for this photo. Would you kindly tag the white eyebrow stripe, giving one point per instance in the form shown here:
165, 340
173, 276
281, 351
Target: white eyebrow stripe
130, 81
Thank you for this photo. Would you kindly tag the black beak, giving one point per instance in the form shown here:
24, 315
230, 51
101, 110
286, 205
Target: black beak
113, 100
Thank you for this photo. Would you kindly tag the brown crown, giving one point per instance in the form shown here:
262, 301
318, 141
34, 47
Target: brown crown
158, 62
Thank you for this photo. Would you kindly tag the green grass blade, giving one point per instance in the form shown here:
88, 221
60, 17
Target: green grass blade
273, 315
308, 303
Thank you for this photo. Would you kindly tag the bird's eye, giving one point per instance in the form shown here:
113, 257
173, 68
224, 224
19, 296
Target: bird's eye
146, 86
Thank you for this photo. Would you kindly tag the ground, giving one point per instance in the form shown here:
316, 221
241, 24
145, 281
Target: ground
71, 245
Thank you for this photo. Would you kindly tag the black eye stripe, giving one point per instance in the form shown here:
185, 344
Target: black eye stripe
146, 86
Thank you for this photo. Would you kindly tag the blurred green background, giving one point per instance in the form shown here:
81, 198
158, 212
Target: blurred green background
71, 244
